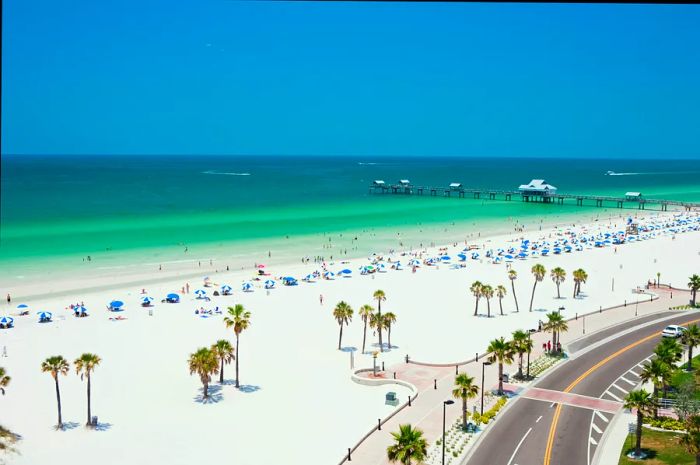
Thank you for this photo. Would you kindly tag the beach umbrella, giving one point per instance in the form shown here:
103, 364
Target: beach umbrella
6, 321
346, 271
557, 250
269, 284
172, 297
522, 255
475, 255
328, 275
200, 293
226, 289
23, 307
309, 278
446, 258
146, 300
247, 287
567, 248
461, 257
289, 281
44, 316
508, 257
116, 304
79, 309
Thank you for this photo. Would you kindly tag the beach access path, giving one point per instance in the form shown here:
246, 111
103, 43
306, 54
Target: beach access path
435, 384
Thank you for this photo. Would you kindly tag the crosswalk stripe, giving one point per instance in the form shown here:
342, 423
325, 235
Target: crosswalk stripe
601, 416
613, 396
628, 381
634, 373
592, 441
618, 387
597, 430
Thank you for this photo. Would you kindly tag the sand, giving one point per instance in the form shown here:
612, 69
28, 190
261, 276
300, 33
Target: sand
297, 404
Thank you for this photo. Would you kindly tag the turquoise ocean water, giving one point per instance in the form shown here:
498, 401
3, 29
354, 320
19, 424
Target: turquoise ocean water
60, 209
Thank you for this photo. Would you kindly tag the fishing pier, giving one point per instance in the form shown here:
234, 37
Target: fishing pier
536, 191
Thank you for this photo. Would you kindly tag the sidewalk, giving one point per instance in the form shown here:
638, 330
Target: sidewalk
426, 411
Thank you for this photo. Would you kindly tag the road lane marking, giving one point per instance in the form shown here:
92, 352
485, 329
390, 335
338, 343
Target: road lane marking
631, 383
601, 416
618, 387
613, 396
538, 419
597, 430
552, 404
518, 447
634, 373
557, 413
592, 441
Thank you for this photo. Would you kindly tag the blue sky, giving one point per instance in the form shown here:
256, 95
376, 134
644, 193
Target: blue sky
220, 77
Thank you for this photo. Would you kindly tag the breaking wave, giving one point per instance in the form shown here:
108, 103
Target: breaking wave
226, 174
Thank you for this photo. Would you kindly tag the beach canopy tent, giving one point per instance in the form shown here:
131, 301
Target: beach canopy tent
44, 316
200, 293
146, 300
6, 322
247, 287
116, 305
226, 289
289, 281
269, 284
172, 298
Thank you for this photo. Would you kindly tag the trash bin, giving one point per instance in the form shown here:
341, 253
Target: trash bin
505, 377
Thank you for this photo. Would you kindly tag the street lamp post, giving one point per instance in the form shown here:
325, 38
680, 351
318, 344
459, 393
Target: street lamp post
483, 369
444, 407
529, 338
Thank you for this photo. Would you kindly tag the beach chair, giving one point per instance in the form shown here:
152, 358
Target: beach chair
391, 399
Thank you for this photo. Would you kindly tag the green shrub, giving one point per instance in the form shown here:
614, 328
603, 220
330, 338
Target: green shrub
667, 423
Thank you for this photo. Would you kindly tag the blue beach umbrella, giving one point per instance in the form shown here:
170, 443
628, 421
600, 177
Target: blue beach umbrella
475, 256
346, 271
172, 297
289, 281
44, 316
146, 300
508, 257
269, 284
557, 250
6, 321
309, 278
446, 258
200, 293
328, 275
226, 289
116, 304
23, 307
461, 257
79, 309
522, 255
247, 287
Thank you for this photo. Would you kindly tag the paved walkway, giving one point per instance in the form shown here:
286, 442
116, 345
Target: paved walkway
435, 384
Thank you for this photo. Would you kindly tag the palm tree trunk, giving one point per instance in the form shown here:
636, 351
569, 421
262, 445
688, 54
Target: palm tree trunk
488, 307
694, 293
500, 305
340, 336
58, 400
558, 294
515, 297
89, 412
500, 378
238, 345
464, 413
532, 299
379, 326
638, 446
389, 335
364, 336
656, 396
690, 358
206, 389
476, 308
520, 366
575, 287
221, 372
697, 459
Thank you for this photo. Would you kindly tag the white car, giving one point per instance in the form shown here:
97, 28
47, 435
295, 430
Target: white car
673, 331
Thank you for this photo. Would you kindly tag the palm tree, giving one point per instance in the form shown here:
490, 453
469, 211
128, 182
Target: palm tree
522, 344
538, 271
655, 372
380, 297
501, 293
644, 403
4, 380
225, 353
487, 292
365, 313
376, 321
556, 324
502, 352
343, 315
476, 290
389, 319
409, 445
84, 366
694, 285
464, 389
513, 275
691, 338
205, 363
239, 319
669, 352
691, 441
56, 365
558, 276
580, 276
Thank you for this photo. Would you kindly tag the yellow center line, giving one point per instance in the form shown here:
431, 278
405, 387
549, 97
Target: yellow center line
584, 375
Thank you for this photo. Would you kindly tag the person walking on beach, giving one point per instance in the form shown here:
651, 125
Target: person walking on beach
9, 299
320, 299
187, 287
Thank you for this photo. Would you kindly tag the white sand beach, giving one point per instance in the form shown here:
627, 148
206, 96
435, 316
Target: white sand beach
297, 403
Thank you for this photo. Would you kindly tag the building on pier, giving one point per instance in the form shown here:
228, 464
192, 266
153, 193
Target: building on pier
537, 189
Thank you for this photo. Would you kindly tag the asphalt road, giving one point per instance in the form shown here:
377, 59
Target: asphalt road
524, 433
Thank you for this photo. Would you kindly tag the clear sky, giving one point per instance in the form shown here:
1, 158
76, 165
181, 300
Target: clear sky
226, 77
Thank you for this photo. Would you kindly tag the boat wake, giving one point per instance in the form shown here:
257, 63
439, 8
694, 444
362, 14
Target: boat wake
226, 174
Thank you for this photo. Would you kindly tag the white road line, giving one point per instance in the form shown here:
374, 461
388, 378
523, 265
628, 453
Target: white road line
538, 419
628, 381
552, 405
634, 373
592, 441
639, 365
613, 396
601, 416
597, 430
618, 387
518, 447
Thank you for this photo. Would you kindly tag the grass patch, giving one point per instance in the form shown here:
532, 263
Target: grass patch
662, 449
